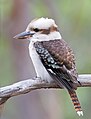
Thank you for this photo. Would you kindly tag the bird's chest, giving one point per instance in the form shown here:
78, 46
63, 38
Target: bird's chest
39, 67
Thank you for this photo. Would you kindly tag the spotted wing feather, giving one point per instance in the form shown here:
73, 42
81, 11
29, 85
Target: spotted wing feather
55, 56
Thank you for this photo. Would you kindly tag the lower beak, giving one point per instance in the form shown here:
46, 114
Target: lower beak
24, 35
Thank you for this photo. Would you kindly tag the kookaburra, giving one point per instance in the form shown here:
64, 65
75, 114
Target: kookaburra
52, 58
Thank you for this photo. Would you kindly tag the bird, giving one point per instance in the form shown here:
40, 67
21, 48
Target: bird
52, 57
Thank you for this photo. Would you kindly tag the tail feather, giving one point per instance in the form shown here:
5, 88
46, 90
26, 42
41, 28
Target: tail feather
76, 103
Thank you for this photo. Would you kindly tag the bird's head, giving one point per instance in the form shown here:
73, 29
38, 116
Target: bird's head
40, 29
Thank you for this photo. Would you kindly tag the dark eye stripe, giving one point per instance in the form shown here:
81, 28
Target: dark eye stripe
36, 30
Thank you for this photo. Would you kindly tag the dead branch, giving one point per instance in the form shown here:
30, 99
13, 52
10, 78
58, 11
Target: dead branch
28, 85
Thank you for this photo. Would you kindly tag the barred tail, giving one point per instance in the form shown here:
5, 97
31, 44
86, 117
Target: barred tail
76, 103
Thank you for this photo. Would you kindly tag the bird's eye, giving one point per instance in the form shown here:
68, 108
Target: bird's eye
36, 29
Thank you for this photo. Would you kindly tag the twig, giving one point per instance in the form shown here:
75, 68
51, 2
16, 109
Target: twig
26, 86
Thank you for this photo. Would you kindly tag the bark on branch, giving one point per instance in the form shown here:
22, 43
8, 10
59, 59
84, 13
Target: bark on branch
26, 86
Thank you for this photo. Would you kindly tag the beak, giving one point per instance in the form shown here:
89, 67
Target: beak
24, 35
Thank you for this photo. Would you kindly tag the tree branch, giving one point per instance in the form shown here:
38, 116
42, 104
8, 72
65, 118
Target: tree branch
26, 86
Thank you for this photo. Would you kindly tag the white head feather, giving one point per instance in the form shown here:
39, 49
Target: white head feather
42, 23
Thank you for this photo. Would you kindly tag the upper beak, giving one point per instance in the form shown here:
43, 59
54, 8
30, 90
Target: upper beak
24, 35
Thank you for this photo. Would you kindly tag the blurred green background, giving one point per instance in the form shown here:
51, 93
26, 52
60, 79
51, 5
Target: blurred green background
74, 20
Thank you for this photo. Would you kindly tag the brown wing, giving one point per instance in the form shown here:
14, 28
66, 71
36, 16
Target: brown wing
60, 50
57, 56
